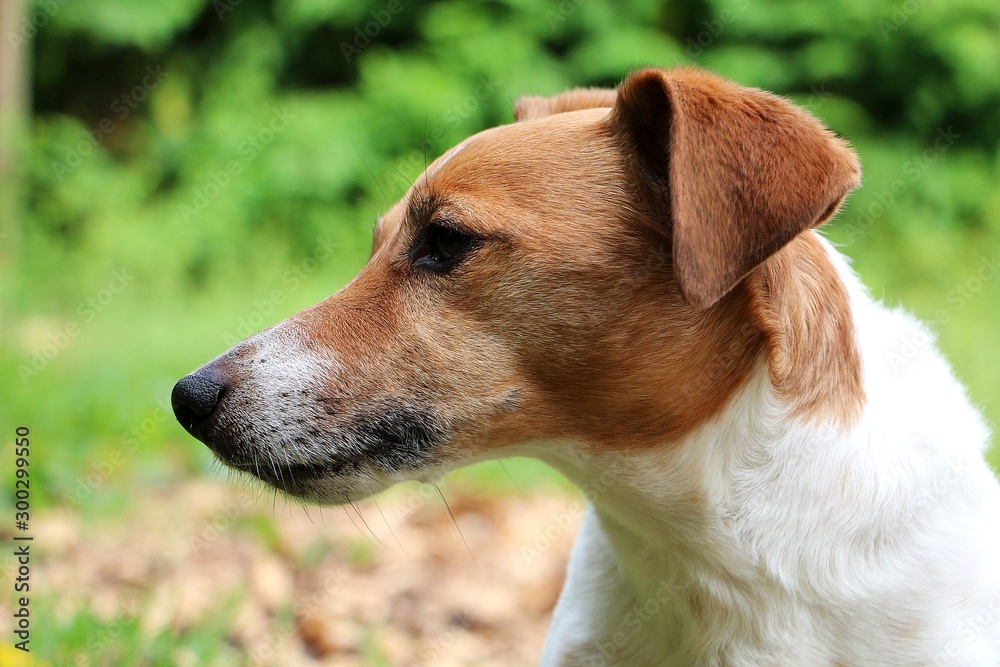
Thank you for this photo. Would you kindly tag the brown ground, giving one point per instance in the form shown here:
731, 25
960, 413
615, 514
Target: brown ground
318, 589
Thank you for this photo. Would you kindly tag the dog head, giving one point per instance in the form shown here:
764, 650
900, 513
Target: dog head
581, 275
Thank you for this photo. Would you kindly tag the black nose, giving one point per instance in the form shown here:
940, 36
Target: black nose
194, 399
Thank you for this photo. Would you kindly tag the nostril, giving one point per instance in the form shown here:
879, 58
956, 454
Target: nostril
186, 417
194, 397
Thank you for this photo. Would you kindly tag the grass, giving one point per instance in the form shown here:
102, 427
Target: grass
102, 428
99, 411
86, 639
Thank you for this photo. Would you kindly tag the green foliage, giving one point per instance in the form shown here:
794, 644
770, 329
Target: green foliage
200, 169
89, 639
232, 157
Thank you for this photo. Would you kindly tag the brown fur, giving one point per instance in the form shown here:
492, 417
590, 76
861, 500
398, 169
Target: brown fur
740, 173
736, 172
606, 301
801, 305
531, 107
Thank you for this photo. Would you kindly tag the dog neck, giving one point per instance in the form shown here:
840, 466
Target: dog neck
678, 542
672, 546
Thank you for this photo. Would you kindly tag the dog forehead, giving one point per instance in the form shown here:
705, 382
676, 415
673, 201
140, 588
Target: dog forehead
563, 156
542, 159
436, 166
392, 221
539, 130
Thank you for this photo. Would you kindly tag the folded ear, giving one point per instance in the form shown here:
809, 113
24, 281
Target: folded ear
735, 172
528, 108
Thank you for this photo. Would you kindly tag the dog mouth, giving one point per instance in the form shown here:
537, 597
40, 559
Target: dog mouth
320, 460
296, 479
335, 480
305, 436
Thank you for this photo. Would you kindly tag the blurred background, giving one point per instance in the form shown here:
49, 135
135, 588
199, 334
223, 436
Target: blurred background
176, 175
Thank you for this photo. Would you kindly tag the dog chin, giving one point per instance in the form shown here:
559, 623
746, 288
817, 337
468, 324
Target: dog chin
315, 483
336, 464
335, 471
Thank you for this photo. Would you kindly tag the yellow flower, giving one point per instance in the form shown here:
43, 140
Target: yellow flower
13, 657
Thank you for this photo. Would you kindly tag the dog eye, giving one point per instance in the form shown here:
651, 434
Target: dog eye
441, 247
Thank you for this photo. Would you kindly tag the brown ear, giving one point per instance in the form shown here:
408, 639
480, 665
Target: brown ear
528, 108
736, 172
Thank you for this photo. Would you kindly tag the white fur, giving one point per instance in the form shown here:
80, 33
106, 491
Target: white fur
762, 539
279, 364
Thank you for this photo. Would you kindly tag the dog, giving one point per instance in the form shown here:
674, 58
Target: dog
629, 286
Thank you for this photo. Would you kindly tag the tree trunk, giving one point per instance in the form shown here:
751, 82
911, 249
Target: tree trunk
15, 47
